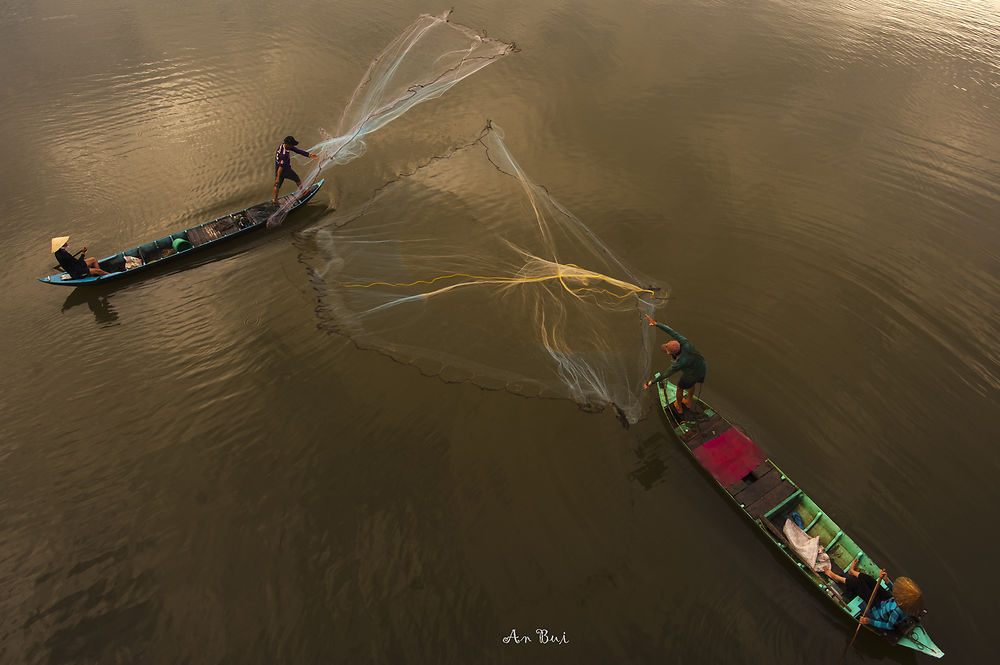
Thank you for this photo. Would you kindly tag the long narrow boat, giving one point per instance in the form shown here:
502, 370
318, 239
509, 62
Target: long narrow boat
768, 498
175, 246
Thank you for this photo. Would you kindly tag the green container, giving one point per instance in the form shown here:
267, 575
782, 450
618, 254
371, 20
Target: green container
181, 244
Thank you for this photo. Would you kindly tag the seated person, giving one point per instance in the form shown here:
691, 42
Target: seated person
77, 267
887, 610
859, 584
906, 601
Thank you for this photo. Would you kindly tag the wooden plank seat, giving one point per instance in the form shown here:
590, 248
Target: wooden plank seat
702, 429
760, 471
758, 488
772, 498
199, 235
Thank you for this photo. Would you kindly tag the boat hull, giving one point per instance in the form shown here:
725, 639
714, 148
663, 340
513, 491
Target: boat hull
768, 498
165, 250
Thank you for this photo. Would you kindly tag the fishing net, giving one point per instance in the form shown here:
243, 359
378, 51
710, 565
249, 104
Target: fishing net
470, 271
422, 63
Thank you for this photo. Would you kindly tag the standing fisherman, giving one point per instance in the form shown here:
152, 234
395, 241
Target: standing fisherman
283, 164
687, 360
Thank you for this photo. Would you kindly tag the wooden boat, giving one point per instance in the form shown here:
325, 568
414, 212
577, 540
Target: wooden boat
768, 498
178, 245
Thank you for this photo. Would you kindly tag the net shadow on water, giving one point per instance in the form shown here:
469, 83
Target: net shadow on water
471, 272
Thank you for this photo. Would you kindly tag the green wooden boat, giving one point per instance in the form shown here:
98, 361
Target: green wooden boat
768, 497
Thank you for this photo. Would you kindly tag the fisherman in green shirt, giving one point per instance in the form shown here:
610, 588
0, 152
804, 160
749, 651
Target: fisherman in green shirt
687, 360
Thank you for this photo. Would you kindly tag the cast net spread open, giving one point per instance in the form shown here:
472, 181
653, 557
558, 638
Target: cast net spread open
422, 63
470, 271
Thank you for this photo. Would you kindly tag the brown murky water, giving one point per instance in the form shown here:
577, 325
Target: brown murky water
192, 471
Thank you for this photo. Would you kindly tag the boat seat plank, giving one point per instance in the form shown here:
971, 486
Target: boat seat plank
782, 507
224, 226
759, 507
737, 487
198, 236
762, 470
705, 430
759, 488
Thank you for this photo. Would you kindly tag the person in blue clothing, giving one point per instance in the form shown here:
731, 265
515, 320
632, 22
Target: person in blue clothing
889, 608
687, 360
283, 164
906, 601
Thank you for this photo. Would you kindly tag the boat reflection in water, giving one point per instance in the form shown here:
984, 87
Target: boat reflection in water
99, 303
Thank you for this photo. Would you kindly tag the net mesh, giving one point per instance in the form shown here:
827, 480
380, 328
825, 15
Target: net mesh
422, 63
470, 271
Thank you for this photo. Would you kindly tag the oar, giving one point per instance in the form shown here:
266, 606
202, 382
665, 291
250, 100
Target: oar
878, 582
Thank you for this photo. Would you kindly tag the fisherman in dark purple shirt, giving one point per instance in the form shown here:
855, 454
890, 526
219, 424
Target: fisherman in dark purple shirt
283, 164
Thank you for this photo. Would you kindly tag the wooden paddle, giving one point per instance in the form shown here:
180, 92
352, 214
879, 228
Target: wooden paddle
864, 614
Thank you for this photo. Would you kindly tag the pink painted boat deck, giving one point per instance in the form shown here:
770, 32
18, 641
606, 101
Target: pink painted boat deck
729, 456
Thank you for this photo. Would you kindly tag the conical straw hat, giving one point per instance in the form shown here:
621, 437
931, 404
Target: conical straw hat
908, 596
59, 242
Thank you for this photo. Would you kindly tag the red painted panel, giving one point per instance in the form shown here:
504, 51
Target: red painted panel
729, 456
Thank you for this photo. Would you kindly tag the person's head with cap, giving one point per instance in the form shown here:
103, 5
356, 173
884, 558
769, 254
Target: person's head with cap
59, 243
673, 347
290, 140
908, 596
